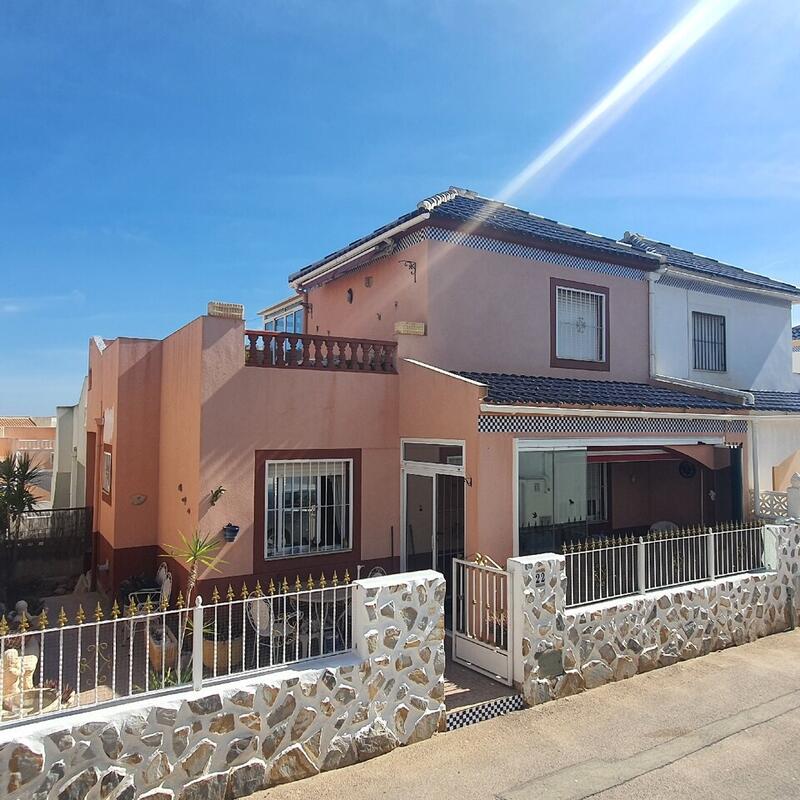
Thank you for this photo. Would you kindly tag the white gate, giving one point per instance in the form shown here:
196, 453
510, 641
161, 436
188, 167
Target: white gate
482, 636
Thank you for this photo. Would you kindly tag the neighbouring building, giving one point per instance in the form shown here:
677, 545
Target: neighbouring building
69, 465
796, 349
34, 436
467, 378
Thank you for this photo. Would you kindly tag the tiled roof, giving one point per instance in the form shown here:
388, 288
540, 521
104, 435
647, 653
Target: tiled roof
17, 422
462, 206
796, 332
529, 389
693, 262
778, 401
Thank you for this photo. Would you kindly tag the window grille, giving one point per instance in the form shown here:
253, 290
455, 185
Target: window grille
709, 342
308, 507
580, 325
107, 472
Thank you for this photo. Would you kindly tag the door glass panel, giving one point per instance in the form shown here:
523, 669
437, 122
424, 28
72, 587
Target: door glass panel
449, 528
424, 452
419, 522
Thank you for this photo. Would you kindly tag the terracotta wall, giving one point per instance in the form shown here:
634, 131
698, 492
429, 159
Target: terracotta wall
245, 409
484, 311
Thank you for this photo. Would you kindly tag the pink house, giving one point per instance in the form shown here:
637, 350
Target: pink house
467, 378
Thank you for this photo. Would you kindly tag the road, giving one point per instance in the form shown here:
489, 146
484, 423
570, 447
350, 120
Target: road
723, 726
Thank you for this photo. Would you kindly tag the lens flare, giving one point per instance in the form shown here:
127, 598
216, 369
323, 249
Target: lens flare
702, 18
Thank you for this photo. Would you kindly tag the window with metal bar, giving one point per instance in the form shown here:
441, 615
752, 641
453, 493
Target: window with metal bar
708, 340
308, 507
596, 491
580, 325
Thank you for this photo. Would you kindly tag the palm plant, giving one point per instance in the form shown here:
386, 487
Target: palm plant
198, 551
19, 475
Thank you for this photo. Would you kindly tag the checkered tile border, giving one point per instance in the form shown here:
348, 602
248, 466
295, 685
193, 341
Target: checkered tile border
721, 291
484, 711
531, 253
519, 423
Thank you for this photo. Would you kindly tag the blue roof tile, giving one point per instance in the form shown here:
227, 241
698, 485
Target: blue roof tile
511, 389
693, 262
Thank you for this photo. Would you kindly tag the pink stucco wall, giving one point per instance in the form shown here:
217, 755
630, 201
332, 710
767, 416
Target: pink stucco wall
484, 311
245, 409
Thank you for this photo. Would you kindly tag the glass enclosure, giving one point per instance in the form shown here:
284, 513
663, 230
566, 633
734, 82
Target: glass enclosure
552, 498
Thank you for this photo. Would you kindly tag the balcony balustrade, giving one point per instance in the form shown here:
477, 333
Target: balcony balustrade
319, 352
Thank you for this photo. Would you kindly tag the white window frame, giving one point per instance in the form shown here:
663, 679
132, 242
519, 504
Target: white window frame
280, 508
108, 474
603, 323
284, 314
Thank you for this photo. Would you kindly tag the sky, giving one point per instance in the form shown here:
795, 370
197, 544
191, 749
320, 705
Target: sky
157, 155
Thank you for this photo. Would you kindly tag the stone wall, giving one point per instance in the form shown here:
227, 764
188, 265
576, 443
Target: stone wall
240, 737
561, 651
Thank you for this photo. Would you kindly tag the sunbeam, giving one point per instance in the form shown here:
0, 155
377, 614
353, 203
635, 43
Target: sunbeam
687, 32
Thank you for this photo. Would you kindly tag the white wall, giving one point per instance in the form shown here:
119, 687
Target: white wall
777, 441
758, 336
796, 361
69, 467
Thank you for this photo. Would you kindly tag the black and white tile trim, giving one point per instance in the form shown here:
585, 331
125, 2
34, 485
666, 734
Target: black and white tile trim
532, 253
484, 711
722, 291
521, 423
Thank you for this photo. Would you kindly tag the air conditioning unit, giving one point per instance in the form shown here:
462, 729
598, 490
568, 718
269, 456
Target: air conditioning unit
226, 310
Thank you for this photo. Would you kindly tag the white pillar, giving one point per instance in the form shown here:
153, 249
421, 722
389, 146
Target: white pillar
793, 497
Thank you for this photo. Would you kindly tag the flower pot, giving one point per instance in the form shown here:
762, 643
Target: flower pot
164, 653
223, 648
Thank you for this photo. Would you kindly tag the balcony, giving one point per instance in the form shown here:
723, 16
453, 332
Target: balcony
318, 352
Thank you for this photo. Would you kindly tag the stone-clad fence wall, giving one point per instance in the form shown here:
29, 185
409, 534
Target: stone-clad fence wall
560, 651
264, 730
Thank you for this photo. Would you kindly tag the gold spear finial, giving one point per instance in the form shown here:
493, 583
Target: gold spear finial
115, 610
80, 617
24, 625
148, 605
335, 579
285, 586
230, 595
179, 600
310, 583
322, 582
43, 621
297, 585
346, 576
257, 591
132, 608
62, 618
164, 604
3, 625
215, 595
245, 593
98, 612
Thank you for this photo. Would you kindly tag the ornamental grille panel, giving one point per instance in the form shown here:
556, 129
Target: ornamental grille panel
308, 507
580, 319
496, 423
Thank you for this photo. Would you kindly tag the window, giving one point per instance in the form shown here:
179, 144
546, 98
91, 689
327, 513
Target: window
708, 339
579, 330
107, 465
290, 321
308, 507
580, 325
597, 492
429, 453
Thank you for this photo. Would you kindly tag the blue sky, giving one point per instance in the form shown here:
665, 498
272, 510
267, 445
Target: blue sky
156, 155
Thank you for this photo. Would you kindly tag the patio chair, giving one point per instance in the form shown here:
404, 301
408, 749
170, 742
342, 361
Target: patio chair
158, 595
273, 629
377, 572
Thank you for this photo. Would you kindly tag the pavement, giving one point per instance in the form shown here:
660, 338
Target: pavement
723, 726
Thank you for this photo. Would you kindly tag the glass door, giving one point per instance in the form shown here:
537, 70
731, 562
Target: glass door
419, 505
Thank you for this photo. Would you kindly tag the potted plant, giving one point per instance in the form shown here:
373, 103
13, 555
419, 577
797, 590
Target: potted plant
222, 644
199, 550
162, 647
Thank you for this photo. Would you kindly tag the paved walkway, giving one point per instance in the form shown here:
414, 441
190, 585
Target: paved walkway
723, 726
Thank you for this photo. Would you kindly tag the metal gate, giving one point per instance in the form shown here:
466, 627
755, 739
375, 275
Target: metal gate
482, 635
